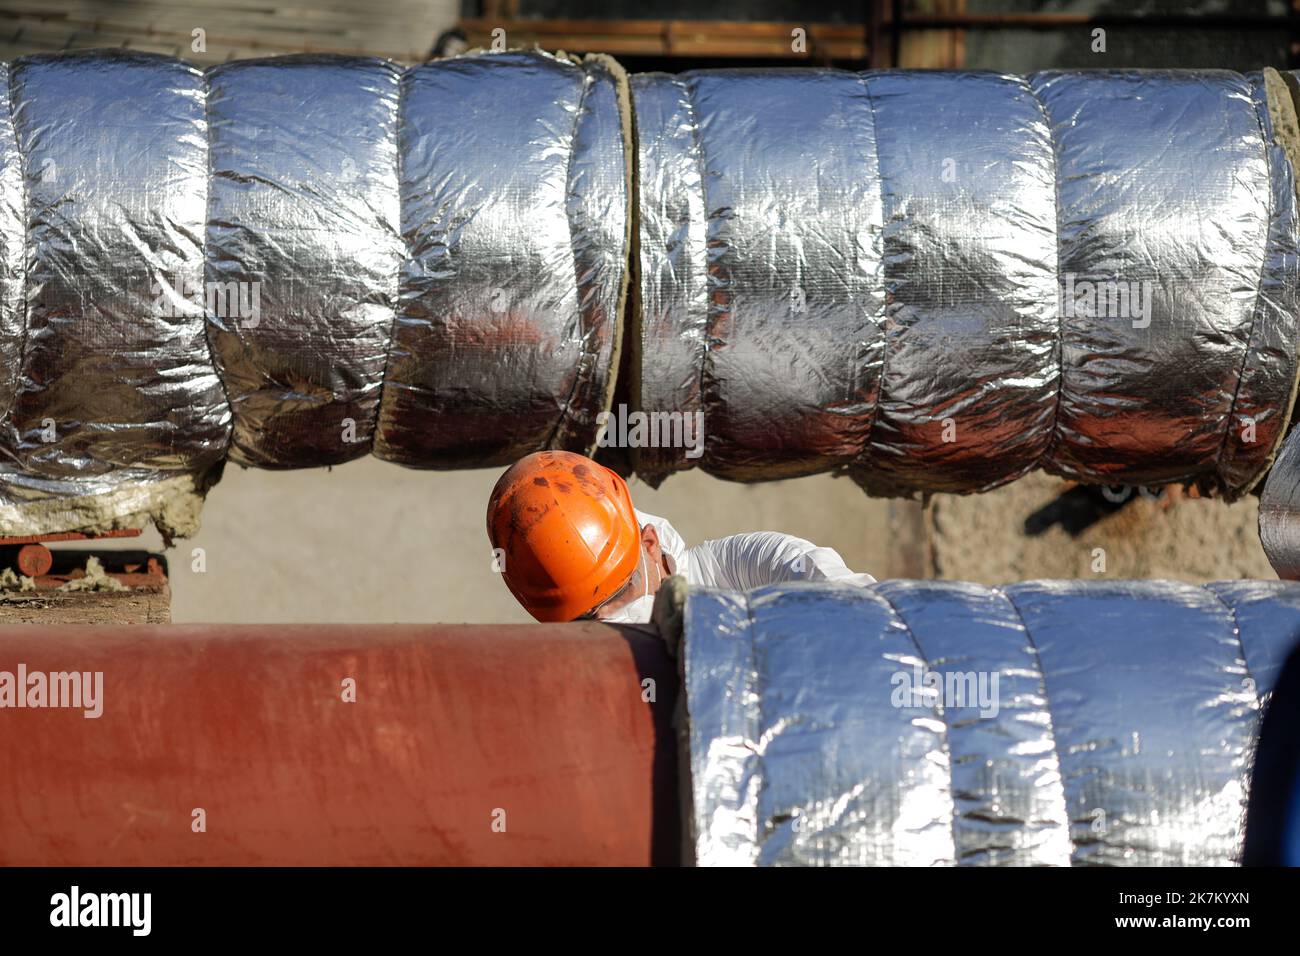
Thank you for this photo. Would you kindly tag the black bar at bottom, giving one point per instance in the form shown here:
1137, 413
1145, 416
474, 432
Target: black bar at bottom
462, 907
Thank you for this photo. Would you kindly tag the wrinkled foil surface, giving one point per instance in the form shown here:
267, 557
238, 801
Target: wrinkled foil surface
293, 262
906, 276
938, 281
1279, 511
303, 212
514, 212
105, 198
1118, 732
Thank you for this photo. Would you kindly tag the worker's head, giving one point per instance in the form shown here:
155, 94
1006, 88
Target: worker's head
567, 540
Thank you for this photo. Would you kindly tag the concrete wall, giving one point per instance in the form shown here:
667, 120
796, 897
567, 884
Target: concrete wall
370, 541
374, 542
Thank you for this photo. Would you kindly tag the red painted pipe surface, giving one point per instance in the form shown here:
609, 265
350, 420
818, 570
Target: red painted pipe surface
542, 730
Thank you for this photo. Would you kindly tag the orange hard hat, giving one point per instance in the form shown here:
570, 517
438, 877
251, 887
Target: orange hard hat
567, 531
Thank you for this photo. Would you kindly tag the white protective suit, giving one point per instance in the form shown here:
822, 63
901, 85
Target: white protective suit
743, 561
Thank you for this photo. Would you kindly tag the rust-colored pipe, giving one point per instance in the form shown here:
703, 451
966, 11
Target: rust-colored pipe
542, 730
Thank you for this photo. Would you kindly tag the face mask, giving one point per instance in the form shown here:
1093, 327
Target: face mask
634, 612
638, 610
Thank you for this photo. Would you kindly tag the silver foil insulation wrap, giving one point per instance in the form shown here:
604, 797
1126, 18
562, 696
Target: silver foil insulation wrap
514, 188
304, 211
940, 281
294, 262
1279, 511
941, 723
932, 281
108, 381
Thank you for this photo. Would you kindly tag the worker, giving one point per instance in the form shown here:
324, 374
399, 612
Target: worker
571, 546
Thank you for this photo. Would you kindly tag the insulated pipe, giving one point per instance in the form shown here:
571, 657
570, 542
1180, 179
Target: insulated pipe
520, 745
938, 281
931, 281
942, 723
1273, 820
1279, 511
294, 262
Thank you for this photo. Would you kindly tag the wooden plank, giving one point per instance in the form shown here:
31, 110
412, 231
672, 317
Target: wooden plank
402, 31
253, 27
699, 38
41, 37
86, 607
